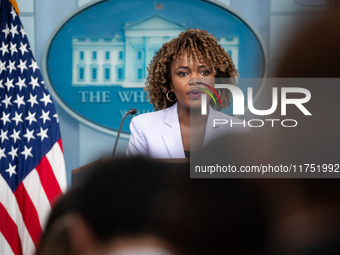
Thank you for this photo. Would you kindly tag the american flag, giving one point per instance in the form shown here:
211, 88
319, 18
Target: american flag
32, 169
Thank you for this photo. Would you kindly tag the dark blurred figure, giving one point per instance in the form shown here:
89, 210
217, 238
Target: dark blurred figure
216, 216
111, 212
305, 213
136, 206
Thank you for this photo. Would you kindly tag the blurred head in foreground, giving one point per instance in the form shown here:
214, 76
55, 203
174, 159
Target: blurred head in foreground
137, 206
305, 212
313, 54
111, 212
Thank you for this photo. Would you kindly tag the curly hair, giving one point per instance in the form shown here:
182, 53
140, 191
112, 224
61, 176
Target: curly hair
202, 47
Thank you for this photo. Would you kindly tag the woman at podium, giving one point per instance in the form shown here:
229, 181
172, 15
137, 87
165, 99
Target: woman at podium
180, 73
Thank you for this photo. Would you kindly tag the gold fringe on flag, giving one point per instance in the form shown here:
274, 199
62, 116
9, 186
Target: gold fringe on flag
15, 6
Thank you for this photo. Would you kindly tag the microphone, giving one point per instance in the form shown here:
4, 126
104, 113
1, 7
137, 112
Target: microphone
132, 111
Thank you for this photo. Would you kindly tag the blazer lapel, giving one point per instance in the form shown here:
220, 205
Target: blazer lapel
172, 134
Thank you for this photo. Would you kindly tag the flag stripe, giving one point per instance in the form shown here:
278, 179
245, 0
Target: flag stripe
34, 189
61, 145
48, 180
29, 213
8, 200
56, 158
12, 237
5, 247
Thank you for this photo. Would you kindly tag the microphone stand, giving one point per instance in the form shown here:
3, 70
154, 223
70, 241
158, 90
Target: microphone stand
132, 111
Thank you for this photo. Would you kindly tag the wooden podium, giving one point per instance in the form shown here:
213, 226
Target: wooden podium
81, 172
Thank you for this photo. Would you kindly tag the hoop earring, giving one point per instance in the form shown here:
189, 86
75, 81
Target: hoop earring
167, 96
219, 92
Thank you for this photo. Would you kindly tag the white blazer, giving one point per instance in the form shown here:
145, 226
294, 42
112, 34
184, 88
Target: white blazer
158, 134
